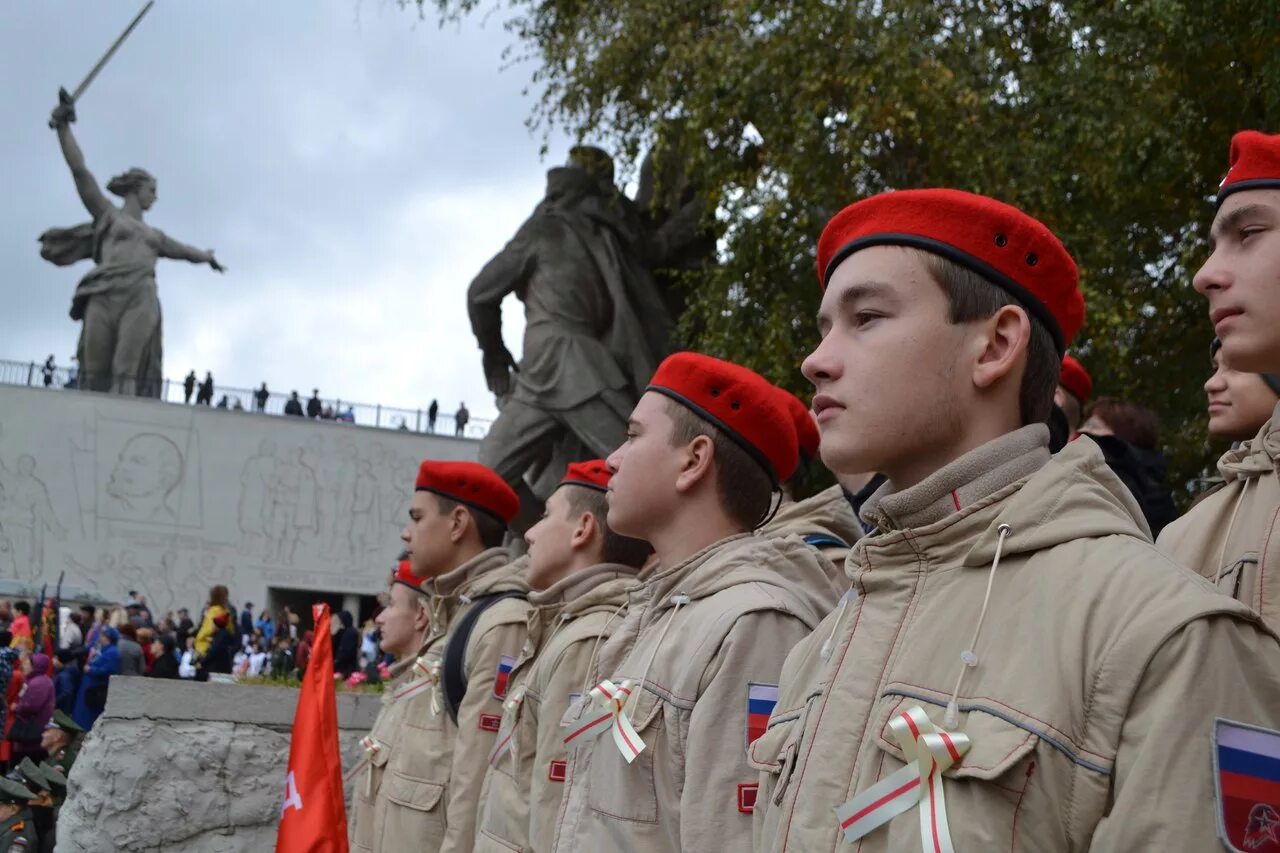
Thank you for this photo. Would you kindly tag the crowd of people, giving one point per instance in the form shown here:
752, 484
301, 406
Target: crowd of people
994, 631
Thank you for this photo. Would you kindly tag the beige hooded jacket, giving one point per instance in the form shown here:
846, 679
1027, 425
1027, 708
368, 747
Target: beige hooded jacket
368, 800
1233, 535
1101, 666
818, 521
567, 624
697, 640
435, 772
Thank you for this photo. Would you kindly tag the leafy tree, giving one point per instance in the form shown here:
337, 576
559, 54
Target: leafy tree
1108, 119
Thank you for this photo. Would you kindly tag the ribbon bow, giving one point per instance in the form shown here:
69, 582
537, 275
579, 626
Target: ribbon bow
371, 746
506, 737
613, 699
929, 752
426, 677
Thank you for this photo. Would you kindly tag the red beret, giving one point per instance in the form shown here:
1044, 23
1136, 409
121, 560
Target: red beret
593, 474
1255, 164
739, 402
806, 429
1075, 379
404, 574
472, 484
221, 620
999, 242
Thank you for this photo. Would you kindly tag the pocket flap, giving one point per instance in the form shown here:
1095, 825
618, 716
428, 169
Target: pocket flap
411, 792
996, 745
766, 752
643, 709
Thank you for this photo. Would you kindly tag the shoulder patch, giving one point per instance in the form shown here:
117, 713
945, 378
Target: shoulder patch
503, 678
557, 770
1246, 764
490, 722
761, 698
747, 797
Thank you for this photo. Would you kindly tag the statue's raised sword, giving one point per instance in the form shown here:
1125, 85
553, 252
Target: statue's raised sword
71, 99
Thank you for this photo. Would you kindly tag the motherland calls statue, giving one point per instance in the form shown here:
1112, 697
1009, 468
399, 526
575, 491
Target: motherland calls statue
120, 340
596, 327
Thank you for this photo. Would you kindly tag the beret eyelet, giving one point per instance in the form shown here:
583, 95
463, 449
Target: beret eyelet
1002, 240
715, 392
735, 405
1032, 260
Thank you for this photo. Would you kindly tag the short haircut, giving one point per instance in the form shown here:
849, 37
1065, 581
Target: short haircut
1136, 424
614, 547
491, 529
745, 488
971, 297
23, 607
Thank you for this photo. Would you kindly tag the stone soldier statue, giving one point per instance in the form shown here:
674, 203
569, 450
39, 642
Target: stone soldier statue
120, 341
596, 328
17, 833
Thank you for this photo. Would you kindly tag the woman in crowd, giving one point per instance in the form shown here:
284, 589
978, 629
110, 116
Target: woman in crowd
33, 710
346, 646
93, 686
304, 651
66, 681
187, 666
222, 645
216, 607
164, 657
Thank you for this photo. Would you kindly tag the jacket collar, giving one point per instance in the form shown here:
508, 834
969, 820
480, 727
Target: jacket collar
463, 579
973, 477
579, 584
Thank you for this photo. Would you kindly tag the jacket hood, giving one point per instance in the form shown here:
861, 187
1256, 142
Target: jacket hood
603, 584
826, 512
1075, 495
791, 567
490, 571
1257, 457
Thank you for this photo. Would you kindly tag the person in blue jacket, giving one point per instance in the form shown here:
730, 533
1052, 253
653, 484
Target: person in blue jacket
92, 697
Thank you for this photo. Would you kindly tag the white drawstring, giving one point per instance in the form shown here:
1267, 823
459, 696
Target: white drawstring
1222, 554
851, 595
590, 674
968, 659
678, 600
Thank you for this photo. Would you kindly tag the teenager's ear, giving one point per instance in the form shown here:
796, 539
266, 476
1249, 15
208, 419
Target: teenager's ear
698, 463
585, 531
1003, 342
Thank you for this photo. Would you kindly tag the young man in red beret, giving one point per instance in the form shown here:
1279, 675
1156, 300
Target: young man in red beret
581, 573
1075, 386
403, 625
1018, 668
824, 521
657, 748
457, 523
1230, 536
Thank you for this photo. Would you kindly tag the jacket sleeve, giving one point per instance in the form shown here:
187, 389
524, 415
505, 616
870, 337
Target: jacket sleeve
1164, 796
719, 786
478, 716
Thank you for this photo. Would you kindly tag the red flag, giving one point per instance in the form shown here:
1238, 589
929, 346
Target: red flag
313, 818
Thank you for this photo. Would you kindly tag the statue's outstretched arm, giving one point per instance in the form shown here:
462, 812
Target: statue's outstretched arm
171, 248
86, 185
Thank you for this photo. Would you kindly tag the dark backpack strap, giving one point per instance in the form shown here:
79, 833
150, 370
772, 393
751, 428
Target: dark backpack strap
455, 675
824, 540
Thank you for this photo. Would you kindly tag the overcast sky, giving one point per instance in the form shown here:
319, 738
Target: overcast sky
352, 166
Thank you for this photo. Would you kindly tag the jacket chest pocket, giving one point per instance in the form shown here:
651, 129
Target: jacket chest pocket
415, 812
774, 752
984, 792
623, 791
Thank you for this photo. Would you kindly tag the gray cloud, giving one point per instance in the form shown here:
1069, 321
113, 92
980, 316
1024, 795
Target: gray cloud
352, 166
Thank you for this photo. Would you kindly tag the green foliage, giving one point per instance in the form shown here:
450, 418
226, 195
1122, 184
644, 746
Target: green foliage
1108, 119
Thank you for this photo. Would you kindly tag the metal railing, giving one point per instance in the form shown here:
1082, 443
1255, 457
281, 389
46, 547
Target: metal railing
36, 375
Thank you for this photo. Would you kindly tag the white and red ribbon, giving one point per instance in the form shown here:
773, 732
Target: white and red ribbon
426, 676
613, 699
371, 746
507, 734
929, 751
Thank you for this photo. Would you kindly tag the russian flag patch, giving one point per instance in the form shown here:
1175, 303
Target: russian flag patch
503, 679
1247, 781
760, 701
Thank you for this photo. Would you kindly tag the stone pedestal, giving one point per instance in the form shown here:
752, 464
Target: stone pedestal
181, 766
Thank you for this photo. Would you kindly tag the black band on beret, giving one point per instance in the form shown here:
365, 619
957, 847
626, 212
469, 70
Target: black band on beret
737, 439
1255, 184
1033, 305
584, 484
468, 504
